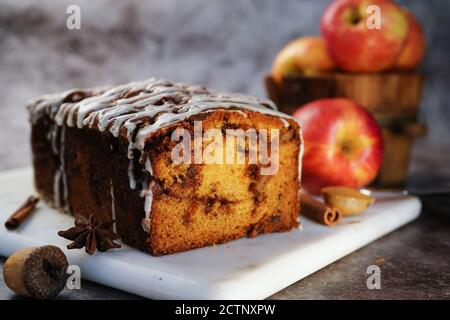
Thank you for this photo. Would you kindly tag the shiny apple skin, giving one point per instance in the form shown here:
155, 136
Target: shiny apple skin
343, 144
356, 48
414, 48
306, 55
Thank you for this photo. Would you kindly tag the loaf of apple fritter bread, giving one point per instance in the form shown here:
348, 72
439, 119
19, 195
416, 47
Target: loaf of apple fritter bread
176, 167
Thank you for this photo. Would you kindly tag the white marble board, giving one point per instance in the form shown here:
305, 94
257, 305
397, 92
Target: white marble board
243, 269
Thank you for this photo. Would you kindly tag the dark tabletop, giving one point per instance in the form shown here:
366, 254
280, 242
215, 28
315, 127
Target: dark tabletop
414, 262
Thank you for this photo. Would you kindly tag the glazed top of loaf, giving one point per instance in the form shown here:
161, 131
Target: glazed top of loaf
146, 105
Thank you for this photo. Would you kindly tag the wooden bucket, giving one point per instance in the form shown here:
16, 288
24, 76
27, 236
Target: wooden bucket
393, 99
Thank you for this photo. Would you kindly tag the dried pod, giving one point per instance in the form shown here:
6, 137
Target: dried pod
36, 272
348, 201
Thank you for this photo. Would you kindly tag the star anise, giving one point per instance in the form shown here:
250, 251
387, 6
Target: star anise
90, 234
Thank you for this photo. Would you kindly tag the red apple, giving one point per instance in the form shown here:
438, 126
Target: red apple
414, 48
305, 55
343, 144
354, 42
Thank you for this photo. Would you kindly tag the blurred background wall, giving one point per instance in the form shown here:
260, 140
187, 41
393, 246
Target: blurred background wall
224, 44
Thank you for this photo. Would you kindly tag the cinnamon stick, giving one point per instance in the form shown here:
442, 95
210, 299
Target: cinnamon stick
319, 211
22, 213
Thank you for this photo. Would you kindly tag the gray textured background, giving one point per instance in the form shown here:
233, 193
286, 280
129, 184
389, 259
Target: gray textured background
225, 44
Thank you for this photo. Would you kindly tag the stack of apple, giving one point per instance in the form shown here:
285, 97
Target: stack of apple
343, 142
358, 36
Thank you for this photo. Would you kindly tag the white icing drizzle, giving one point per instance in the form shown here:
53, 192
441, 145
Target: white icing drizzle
62, 168
51, 103
300, 157
113, 206
56, 188
148, 166
140, 109
52, 135
131, 177
153, 103
147, 193
198, 104
56, 136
